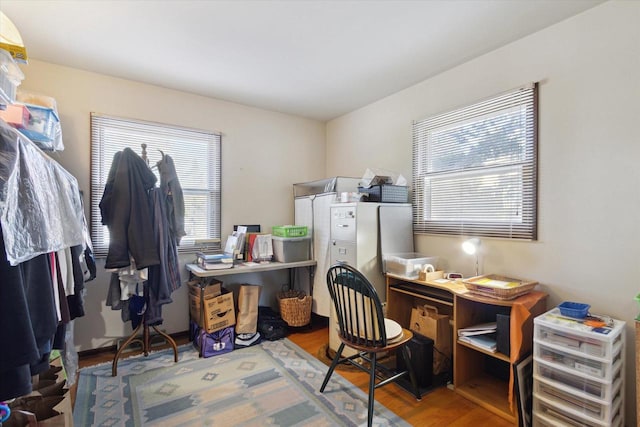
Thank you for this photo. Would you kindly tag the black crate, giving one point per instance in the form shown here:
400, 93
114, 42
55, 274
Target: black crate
385, 193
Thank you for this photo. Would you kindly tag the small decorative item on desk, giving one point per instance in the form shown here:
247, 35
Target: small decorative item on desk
428, 273
499, 287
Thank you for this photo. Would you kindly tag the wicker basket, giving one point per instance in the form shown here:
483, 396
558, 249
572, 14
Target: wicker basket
492, 285
295, 307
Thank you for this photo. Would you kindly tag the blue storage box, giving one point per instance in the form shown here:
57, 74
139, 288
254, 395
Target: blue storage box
574, 309
42, 126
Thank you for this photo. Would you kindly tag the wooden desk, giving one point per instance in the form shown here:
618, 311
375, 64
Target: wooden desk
473, 368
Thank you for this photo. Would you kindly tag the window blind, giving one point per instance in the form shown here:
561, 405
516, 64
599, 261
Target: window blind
475, 168
197, 159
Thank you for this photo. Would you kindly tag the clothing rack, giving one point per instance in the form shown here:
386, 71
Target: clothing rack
145, 340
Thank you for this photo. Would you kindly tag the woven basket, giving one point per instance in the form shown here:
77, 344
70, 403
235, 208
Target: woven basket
520, 287
295, 307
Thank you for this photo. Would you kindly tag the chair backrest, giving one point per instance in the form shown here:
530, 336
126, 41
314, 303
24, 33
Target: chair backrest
357, 307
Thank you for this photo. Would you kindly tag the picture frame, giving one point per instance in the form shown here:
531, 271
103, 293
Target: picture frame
523, 384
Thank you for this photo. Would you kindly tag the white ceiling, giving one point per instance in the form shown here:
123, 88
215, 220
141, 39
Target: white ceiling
314, 58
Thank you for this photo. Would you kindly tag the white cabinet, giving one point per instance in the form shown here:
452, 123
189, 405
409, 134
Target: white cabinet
578, 372
360, 233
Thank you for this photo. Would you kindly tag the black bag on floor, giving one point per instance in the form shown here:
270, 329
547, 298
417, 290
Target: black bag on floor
270, 324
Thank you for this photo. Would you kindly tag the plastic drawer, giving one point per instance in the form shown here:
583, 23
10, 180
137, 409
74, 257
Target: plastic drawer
572, 335
576, 361
595, 410
548, 413
577, 383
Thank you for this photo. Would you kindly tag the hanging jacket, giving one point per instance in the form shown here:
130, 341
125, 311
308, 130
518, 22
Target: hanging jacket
173, 197
126, 211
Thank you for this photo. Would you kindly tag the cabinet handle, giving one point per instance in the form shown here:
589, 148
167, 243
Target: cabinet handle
342, 225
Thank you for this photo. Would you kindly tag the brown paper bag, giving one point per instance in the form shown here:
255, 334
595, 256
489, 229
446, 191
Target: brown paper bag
426, 321
248, 300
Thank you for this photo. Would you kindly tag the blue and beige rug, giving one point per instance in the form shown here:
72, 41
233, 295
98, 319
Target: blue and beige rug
275, 383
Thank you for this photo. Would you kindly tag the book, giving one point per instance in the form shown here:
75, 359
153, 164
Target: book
216, 266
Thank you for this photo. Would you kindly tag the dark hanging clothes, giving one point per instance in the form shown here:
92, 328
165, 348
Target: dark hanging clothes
164, 278
76, 301
173, 198
126, 211
28, 313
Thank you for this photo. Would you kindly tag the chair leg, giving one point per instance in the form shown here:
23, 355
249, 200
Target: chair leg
412, 374
336, 359
372, 388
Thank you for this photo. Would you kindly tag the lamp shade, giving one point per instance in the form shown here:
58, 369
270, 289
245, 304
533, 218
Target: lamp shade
471, 246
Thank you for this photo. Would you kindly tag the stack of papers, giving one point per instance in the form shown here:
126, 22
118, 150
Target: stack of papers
486, 341
482, 335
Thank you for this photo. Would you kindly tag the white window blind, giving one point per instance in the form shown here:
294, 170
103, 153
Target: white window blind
196, 156
475, 169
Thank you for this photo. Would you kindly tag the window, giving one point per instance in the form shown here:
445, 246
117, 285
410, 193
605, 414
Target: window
196, 155
475, 169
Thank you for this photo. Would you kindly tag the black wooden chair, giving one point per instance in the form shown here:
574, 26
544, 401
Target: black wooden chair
363, 327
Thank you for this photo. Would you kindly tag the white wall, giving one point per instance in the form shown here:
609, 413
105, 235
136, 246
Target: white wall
589, 148
263, 154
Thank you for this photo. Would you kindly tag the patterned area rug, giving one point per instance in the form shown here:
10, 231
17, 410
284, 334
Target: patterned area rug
275, 383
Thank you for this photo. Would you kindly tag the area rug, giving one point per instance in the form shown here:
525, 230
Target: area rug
275, 383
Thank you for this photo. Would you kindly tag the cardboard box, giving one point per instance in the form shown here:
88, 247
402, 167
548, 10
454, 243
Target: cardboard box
219, 312
211, 289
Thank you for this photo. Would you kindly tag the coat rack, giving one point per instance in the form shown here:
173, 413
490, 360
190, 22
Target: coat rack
145, 340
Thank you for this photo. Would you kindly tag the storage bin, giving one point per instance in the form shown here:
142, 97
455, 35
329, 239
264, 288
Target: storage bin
10, 78
291, 249
577, 362
407, 264
578, 384
572, 335
576, 310
548, 412
42, 125
385, 193
597, 410
289, 230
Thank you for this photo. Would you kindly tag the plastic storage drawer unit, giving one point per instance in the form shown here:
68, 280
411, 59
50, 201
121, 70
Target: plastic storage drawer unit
578, 372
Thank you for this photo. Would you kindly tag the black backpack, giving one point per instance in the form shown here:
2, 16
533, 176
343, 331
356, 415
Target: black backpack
270, 324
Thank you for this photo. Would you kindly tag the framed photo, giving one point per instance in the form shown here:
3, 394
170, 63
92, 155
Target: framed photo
523, 374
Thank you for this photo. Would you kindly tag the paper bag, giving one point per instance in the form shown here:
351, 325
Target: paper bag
426, 321
248, 299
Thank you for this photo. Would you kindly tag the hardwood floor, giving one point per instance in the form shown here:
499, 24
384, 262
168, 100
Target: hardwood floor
441, 407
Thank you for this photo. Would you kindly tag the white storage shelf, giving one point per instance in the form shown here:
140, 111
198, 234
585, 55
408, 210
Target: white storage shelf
578, 372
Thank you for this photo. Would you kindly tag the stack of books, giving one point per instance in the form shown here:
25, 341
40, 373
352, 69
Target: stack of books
482, 336
214, 261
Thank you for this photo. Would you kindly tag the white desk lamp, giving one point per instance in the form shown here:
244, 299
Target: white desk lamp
471, 247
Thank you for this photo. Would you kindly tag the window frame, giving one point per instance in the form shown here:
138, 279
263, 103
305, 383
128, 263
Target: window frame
499, 219
168, 134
